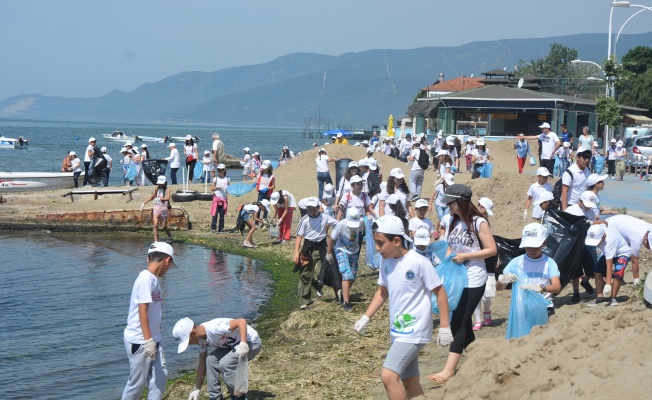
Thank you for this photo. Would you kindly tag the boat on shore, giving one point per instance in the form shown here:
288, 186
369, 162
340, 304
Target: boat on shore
27, 181
11, 143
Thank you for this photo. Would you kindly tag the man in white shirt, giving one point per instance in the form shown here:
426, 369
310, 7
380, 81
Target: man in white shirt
416, 172
174, 161
88, 154
574, 181
549, 145
621, 154
218, 153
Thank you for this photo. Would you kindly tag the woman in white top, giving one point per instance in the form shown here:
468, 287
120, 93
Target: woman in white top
191, 153
396, 185
470, 239
174, 162
344, 186
144, 155
220, 198
323, 173
481, 156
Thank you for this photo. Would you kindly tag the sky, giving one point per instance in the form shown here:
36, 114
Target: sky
87, 48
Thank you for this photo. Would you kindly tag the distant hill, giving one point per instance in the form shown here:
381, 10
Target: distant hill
356, 88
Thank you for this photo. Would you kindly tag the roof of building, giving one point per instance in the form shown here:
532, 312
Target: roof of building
498, 72
458, 84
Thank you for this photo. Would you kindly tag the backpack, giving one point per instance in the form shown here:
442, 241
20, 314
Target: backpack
423, 160
555, 203
240, 222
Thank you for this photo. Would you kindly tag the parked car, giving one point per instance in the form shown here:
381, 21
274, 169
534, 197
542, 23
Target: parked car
639, 148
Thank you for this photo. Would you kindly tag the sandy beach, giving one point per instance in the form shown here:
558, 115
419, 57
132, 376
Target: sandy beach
599, 352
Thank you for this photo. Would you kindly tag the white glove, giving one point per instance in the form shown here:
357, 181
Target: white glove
242, 349
533, 287
444, 337
194, 395
637, 281
507, 278
360, 324
329, 258
142, 207
150, 348
525, 215
607, 290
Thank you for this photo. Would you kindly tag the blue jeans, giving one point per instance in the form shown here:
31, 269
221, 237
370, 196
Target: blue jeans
323, 178
173, 176
441, 211
262, 196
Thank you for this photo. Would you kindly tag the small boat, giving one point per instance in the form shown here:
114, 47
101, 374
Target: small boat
27, 181
11, 143
120, 136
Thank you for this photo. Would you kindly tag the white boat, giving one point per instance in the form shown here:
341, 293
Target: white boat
26, 181
119, 136
11, 143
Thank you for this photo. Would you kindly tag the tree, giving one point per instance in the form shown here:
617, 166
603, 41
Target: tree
638, 60
639, 93
608, 111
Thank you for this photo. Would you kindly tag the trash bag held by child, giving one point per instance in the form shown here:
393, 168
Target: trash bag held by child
526, 310
239, 189
241, 381
599, 164
199, 171
372, 256
453, 277
439, 248
274, 230
487, 170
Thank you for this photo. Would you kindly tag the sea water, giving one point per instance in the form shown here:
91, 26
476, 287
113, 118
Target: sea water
50, 141
64, 299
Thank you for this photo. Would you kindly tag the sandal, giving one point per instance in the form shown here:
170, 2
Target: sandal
477, 326
437, 378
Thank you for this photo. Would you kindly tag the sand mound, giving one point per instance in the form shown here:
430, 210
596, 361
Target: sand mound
587, 357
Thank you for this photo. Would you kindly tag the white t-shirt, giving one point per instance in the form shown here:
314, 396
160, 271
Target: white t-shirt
328, 203
251, 208
577, 185
247, 161
621, 152
416, 223
351, 200
611, 153
535, 191
344, 187
575, 209
615, 245
220, 187
322, 163
146, 290
207, 164
219, 334
632, 229
445, 222
75, 163
87, 158
563, 153
548, 142
409, 281
461, 240
539, 271
375, 201
482, 157
290, 202
315, 228
346, 239
108, 160
264, 181
415, 163
468, 149
189, 150
443, 167
441, 192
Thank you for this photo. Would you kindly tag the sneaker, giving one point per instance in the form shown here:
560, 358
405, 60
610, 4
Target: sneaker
613, 302
575, 298
587, 286
596, 301
339, 296
347, 307
319, 293
303, 306
277, 242
247, 244
477, 326
487, 319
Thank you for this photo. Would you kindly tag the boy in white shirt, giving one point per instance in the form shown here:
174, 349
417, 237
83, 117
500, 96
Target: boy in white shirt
615, 256
75, 164
345, 241
206, 166
420, 221
328, 199
535, 191
355, 198
142, 336
407, 281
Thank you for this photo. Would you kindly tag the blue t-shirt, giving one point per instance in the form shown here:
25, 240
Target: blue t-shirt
566, 137
522, 148
538, 271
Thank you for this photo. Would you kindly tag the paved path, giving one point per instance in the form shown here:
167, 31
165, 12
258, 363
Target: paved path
631, 193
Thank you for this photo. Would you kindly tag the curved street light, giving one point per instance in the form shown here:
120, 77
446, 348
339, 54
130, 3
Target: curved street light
621, 28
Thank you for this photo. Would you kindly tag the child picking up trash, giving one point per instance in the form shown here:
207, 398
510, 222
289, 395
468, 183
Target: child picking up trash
344, 241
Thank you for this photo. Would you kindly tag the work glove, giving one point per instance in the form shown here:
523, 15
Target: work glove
150, 348
360, 324
329, 258
194, 395
533, 287
444, 337
507, 278
142, 207
525, 215
242, 349
607, 290
263, 191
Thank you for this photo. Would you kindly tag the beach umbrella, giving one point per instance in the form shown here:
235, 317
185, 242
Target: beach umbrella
334, 132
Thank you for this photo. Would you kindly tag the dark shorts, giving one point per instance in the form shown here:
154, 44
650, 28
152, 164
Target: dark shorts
620, 264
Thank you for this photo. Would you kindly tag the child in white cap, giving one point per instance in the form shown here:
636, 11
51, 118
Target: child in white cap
206, 166
535, 191
75, 164
534, 270
161, 197
142, 336
109, 166
611, 266
422, 240
328, 199
245, 162
407, 280
222, 342
356, 198
344, 241
420, 221
437, 198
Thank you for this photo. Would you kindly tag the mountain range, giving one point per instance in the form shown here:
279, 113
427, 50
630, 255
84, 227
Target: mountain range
353, 88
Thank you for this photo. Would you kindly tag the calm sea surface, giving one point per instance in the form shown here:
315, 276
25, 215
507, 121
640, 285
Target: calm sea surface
64, 303
50, 141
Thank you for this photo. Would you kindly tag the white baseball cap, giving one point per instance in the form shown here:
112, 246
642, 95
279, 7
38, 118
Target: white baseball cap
266, 164
363, 163
566, 144
181, 333
221, 166
613, 140
123, 150
595, 178
397, 173
172, 145
355, 179
365, 142
545, 125
480, 142
265, 203
285, 148
311, 202
274, 198
588, 198
487, 204
103, 149
339, 134
421, 237
72, 153
322, 149
161, 180
188, 137
619, 143
421, 203
442, 153
449, 179
92, 139
129, 144
143, 146
392, 199
392, 225
207, 152
353, 217
328, 190
383, 185
256, 153
450, 140
246, 149
543, 171
533, 235
544, 196
164, 248
594, 235
373, 164
352, 164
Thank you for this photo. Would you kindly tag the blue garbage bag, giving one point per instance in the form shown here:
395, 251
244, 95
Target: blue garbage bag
526, 310
131, 172
487, 170
239, 189
599, 164
439, 248
199, 171
453, 277
372, 256
556, 169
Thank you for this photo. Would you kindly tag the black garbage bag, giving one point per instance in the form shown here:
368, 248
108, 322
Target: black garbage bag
154, 168
565, 244
341, 166
98, 168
